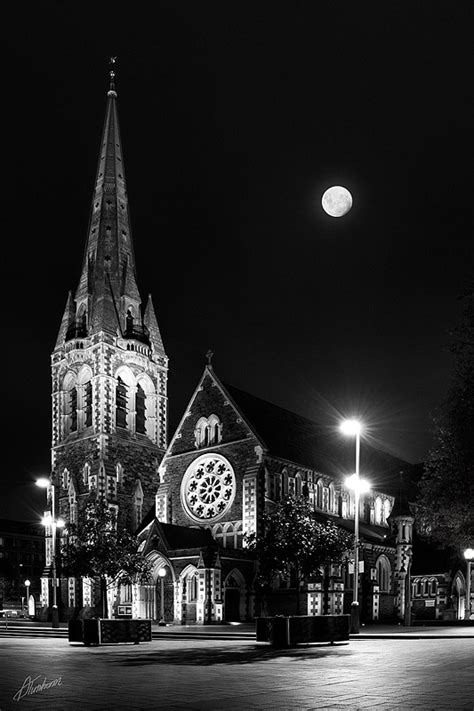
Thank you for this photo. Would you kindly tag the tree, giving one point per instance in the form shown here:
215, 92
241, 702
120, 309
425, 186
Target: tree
445, 506
293, 543
96, 549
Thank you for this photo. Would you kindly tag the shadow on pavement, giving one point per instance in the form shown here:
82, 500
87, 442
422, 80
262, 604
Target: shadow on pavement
223, 655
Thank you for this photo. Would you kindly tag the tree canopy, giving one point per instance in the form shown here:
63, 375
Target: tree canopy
293, 542
446, 508
96, 549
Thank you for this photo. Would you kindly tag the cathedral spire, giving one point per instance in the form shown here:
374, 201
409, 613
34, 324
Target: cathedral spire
107, 289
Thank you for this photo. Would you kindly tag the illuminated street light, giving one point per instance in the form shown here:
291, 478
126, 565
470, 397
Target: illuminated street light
162, 574
51, 520
27, 586
360, 486
469, 556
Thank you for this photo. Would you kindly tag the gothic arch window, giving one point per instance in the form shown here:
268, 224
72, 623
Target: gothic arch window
383, 571
298, 484
201, 432
84, 397
325, 502
140, 410
208, 431
229, 536
86, 473
72, 503
137, 505
319, 494
284, 483
145, 407
378, 510
129, 322
215, 429
69, 404
238, 534
65, 478
218, 534
433, 586
119, 473
332, 499
123, 397
291, 486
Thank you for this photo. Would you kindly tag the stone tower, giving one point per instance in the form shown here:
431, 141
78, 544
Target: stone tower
109, 367
402, 520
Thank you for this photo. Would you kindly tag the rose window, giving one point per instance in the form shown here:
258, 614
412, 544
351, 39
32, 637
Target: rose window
208, 487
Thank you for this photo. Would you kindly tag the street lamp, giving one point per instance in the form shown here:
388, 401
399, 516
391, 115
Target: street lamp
51, 520
360, 486
162, 574
469, 556
27, 586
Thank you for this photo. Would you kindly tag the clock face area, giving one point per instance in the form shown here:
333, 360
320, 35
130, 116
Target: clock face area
208, 488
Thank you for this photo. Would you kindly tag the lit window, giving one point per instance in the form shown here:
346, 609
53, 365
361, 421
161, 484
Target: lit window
208, 431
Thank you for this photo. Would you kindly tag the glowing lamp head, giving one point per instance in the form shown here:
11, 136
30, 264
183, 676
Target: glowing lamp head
469, 554
43, 482
60, 523
351, 427
362, 486
27, 583
162, 572
47, 520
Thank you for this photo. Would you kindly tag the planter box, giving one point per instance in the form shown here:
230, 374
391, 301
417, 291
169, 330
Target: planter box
288, 631
109, 631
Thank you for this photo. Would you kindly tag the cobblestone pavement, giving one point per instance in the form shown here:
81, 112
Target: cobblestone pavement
214, 674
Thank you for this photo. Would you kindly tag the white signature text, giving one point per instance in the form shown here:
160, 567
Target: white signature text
31, 686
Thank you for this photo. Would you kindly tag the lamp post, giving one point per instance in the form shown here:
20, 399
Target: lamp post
469, 556
354, 428
27, 586
162, 574
51, 520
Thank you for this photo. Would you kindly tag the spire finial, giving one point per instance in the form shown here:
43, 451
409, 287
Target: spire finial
112, 91
209, 355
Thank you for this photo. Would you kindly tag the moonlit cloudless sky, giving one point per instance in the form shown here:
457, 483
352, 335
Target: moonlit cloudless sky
235, 117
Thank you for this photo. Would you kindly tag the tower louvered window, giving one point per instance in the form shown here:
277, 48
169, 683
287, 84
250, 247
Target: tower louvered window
73, 409
121, 403
88, 404
140, 407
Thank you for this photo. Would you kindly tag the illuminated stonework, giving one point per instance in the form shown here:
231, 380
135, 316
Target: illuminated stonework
208, 488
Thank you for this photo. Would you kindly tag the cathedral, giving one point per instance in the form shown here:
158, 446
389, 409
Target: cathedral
192, 500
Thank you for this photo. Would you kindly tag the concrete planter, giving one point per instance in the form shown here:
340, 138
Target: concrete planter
283, 631
98, 631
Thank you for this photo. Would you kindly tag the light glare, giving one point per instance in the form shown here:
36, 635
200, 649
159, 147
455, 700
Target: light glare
43, 482
351, 427
469, 553
357, 484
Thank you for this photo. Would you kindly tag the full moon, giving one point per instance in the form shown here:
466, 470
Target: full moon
337, 201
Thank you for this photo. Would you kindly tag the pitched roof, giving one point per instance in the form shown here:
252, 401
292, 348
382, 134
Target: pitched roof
185, 537
306, 443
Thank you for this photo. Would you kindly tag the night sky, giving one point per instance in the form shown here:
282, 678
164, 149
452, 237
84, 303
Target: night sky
235, 117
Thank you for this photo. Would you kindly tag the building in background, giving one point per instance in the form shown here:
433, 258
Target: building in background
22, 558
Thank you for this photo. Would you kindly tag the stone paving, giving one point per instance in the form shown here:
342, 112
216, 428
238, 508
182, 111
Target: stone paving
389, 674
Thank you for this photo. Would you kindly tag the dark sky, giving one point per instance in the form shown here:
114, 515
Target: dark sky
235, 117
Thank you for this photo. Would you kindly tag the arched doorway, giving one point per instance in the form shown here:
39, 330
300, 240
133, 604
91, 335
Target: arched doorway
189, 581
459, 595
234, 597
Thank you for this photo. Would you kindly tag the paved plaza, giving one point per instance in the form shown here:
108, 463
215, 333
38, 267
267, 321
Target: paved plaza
403, 673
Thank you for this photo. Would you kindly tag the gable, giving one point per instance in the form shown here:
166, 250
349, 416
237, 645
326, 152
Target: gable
210, 402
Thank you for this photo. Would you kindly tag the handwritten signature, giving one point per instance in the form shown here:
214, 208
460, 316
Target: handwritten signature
31, 687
